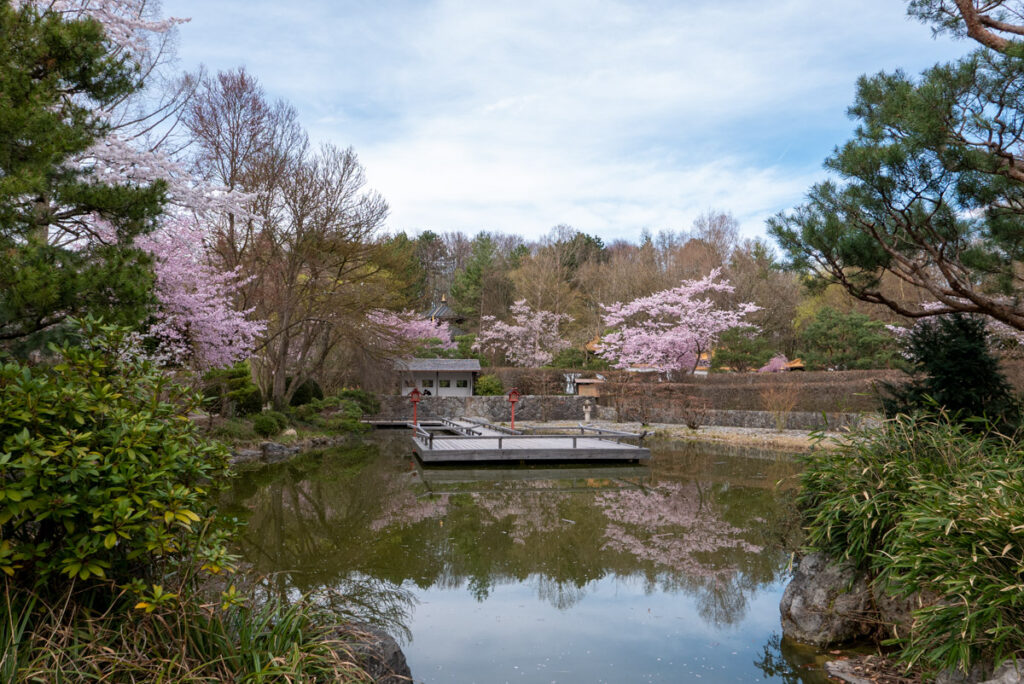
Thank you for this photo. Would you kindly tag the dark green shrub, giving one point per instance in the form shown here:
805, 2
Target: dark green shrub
488, 386
234, 430
952, 367
264, 425
578, 359
347, 419
368, 401
927, 504
846, 341
306, 392
279, 418
103, 476
231, 392
742, 349
464, 350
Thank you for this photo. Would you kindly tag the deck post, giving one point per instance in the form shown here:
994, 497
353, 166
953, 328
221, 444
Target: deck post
574, 441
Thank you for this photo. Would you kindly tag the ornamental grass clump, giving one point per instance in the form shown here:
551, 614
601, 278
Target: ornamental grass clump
929, 505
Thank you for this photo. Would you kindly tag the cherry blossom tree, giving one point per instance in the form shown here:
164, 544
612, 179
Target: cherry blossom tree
531, 341
407, 329
669, 330
777, 364
195, 320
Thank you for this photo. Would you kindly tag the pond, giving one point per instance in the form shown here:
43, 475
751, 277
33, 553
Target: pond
661, 573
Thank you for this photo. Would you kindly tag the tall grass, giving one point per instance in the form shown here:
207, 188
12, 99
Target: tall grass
66, 641
924, 504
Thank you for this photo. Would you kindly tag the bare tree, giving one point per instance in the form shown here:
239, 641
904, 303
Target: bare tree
307, 237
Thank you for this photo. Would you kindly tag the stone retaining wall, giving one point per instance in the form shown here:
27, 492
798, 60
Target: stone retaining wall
494, 409
552, 407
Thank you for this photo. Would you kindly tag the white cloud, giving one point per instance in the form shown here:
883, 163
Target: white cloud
608, 115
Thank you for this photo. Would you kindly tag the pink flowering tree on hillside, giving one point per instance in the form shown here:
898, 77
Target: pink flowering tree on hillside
669, 330
407, 332
531, 341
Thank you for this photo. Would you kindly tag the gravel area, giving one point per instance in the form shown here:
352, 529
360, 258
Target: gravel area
800, 440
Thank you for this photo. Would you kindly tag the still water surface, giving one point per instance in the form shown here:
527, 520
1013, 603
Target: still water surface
664, 573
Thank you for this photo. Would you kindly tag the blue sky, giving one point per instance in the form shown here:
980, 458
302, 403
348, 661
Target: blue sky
609, 116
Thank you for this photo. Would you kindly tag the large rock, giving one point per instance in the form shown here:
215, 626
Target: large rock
275, 453
825, 603
379, 654
1007, 673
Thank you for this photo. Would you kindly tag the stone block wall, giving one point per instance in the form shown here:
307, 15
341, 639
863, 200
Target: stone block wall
494, 409
561, 408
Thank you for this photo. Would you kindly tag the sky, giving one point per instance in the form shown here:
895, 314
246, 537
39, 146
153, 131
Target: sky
609, 116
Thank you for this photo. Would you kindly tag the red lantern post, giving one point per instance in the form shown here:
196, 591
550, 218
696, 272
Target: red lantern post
513, 397
414, 397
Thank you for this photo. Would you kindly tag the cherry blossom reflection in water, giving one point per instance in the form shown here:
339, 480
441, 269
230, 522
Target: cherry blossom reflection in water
669, 573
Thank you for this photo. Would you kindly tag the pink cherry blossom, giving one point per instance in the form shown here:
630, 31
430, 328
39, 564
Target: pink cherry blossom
777, 364
195, 322
669, 330
399, 331
530, 342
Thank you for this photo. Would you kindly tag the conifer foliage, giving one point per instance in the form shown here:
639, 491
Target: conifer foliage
54, 75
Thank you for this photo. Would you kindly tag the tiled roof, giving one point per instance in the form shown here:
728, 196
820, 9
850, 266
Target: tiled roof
437, 365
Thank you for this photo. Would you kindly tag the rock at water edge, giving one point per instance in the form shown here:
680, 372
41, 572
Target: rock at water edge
825, 603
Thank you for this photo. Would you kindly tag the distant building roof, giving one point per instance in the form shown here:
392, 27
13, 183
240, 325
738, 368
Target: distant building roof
437, 365
443, 312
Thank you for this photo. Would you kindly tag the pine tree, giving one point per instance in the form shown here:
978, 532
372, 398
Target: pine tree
65, 234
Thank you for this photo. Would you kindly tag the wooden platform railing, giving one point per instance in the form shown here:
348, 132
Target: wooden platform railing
427, 438
617, 433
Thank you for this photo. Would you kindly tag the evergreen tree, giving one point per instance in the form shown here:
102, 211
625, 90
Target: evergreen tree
932, 186
65, 233
846, 341
952, 367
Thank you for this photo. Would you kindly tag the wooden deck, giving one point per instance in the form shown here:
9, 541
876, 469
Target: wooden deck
475, 442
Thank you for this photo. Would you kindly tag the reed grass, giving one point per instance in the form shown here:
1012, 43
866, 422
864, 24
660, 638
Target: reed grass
195, 643
927, 504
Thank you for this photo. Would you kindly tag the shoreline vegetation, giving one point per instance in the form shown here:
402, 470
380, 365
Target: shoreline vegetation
115, 563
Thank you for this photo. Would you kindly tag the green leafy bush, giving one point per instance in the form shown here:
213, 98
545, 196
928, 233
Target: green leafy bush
952, 367
279, 418
368, 401
928, 504
231, 391
265, 426
488, 386
347, 419
103, 475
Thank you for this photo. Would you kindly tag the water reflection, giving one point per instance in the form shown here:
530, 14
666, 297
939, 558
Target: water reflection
370, 525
